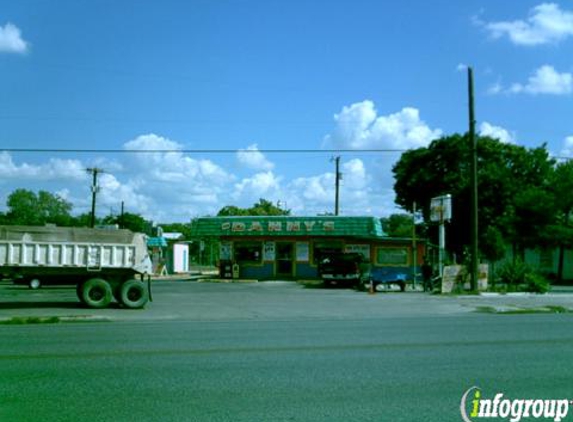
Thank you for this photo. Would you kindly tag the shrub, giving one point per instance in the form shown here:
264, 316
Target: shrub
518, 276
512, 274
536, 283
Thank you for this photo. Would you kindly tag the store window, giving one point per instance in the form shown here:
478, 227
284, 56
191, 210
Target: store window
248, 252
392, 256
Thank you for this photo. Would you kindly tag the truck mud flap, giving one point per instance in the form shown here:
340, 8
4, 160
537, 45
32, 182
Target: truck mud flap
149, 287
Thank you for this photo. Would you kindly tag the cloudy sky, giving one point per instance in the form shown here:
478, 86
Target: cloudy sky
185, 104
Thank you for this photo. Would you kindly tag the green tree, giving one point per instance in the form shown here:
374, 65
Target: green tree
511, 182
83, 220
398, 225
561, 233
263, 207
130, 221
231, 210
28, 208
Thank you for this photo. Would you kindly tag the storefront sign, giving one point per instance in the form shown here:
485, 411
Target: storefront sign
269, 253
362, 249
301, 226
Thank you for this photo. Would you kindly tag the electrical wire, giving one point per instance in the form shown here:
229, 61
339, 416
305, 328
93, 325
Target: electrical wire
198, 151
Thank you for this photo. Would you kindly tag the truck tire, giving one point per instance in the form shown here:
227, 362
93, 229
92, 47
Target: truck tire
96, 293
134, 294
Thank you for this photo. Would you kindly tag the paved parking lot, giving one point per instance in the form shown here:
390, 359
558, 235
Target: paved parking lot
206, 301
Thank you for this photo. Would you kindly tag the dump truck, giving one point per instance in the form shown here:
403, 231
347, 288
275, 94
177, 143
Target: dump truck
103, 264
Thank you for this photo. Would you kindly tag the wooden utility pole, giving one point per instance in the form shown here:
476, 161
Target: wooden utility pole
337, 185
414, 247
474, 185
94, 171
121, 224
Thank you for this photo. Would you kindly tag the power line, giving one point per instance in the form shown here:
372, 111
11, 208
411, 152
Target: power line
197, 151
216, 151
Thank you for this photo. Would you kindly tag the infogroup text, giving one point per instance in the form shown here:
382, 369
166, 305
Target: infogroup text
474, 407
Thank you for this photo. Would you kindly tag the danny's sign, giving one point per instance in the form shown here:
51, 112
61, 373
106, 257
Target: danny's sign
300, 227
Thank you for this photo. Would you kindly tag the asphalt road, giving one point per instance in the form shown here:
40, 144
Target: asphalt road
275, 364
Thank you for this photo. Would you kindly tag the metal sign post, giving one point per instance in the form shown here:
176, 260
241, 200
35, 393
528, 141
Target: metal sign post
440, 212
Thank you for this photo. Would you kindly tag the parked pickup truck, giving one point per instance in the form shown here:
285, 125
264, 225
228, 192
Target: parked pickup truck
343, 269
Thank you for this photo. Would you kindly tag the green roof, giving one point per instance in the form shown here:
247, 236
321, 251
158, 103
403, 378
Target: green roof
363, 227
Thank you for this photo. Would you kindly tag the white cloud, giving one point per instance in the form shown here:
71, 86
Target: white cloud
496, 132
546, 23
167, 185
252, 158
545, 80
261, 185
54, 169
358, 126
316, 194
567, 150
164, 185
168, 164
176, 182
11, 40
112, 192
494, 89
461, 67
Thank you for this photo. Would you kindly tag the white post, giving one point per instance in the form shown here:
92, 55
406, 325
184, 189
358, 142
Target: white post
442, 246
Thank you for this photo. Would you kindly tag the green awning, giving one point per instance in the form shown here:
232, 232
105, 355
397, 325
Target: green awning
156, 242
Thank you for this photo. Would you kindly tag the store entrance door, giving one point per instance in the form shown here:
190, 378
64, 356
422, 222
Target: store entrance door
285, 260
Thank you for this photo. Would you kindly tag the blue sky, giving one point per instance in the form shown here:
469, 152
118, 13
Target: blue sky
260, 75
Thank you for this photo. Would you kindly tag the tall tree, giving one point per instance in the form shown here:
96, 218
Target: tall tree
561, 187
511, 179
398, 225
263, 207
28, 208
130, 221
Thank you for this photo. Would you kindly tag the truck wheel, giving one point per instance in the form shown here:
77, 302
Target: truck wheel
96, 293
134, 294
34, 284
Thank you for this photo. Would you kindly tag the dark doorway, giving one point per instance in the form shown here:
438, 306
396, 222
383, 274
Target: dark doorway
284, 259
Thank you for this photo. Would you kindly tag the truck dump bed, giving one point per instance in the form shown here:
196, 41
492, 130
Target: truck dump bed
70, 247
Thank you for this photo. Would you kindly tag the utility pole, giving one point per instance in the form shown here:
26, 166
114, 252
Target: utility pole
94, 171
414, 246
474, 185
121, 225
337, 185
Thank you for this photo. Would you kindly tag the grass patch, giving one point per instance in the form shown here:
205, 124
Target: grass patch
52, 320
31, 320
523, 311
